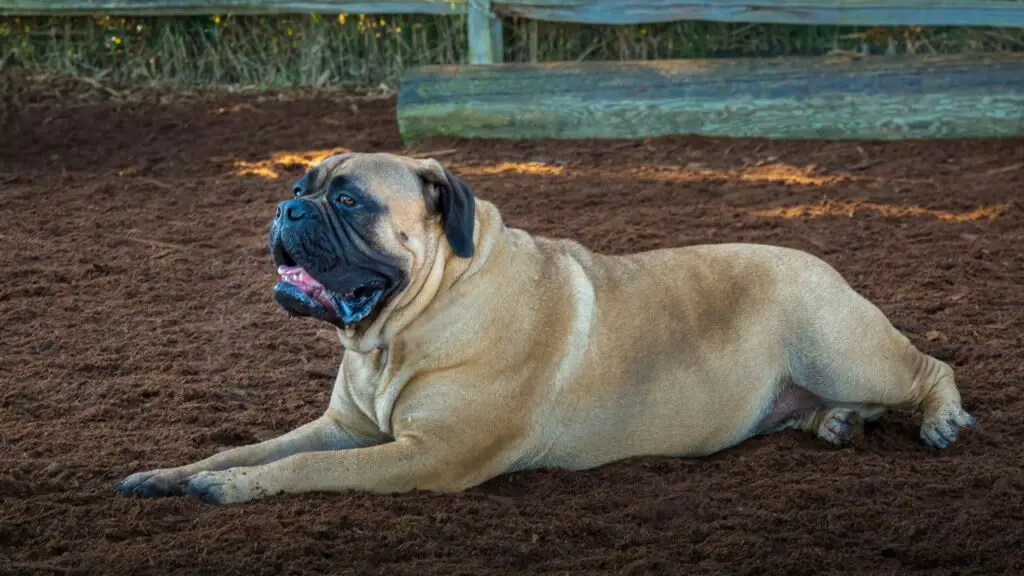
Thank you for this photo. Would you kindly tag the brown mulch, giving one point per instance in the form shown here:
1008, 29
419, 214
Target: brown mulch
137, 331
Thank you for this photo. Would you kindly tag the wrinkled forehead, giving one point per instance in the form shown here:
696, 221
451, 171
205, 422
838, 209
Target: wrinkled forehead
386, 177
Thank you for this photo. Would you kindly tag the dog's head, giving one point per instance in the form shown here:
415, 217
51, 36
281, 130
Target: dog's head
361, 229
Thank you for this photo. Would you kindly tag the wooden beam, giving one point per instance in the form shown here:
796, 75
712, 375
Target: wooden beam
203, 7
871, 98
998, 13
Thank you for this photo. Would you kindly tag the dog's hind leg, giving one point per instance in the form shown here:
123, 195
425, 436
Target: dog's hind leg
852, 357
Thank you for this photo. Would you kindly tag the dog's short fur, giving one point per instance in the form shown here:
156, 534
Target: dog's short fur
473, 349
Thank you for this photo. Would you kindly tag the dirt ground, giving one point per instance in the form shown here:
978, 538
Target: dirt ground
137, 331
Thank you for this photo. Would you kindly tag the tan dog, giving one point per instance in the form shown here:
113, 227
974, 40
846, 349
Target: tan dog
473, 349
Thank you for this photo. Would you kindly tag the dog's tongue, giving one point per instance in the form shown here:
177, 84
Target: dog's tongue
298, 291
313, 289
298, 276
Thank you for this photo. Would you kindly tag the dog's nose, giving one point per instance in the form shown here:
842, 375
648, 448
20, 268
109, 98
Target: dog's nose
291, 211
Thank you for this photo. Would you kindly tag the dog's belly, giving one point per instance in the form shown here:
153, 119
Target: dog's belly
792, 401
669, 412
700, 365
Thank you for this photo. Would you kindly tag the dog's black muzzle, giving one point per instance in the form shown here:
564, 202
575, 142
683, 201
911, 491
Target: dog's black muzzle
327, 267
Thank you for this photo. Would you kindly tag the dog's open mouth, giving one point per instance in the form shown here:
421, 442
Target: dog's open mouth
298, 290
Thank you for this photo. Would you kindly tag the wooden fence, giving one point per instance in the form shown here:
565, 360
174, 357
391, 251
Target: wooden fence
952, 97
483, 16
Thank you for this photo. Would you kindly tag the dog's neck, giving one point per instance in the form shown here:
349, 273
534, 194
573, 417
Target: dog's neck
446, 271
488, 235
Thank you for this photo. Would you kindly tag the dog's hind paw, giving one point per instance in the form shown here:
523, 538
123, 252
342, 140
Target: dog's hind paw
940, 430
840, 426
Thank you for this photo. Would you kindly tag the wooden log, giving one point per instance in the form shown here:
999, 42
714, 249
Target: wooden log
999, 13
871, 98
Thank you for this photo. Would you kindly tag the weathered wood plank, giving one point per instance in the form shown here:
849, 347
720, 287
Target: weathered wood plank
1000, 13
478, 28
497, 39
201, 7
874, 98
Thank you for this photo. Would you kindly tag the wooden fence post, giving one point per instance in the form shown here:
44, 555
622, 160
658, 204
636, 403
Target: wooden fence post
486, 44
497, 39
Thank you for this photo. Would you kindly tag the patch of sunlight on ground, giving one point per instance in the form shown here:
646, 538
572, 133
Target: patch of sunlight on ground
513, 167
272, 167
281, 162
781, 173
848, 209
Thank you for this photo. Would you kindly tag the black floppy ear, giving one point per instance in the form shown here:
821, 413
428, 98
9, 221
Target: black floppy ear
455, 202
458, 214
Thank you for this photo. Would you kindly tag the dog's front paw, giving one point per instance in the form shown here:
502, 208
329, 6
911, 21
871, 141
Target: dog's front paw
152, 484
940, 430
220, 487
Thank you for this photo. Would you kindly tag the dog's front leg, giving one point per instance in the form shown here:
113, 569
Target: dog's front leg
408, 463
324, 433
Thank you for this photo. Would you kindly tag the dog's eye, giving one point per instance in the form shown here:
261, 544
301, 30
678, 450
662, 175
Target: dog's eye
346, 200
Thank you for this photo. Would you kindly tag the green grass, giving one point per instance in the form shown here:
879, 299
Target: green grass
372, 51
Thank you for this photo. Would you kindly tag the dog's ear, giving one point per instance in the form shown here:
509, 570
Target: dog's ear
449, 196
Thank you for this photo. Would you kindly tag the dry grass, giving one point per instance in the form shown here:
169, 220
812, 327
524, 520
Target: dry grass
372, 51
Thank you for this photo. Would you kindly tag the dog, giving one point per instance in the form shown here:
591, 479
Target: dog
473, 349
